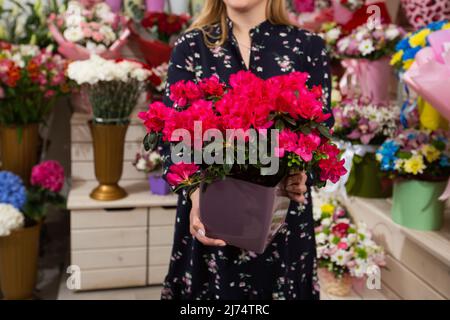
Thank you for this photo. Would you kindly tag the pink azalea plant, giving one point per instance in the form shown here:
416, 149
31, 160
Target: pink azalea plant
284, 103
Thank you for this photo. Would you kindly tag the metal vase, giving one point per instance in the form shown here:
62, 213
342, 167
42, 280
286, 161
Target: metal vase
18, 263
108, 140
19, 149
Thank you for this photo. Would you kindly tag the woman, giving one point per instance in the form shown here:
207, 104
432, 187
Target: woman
229, 36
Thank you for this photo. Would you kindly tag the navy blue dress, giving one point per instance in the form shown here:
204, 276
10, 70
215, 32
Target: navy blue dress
287, 269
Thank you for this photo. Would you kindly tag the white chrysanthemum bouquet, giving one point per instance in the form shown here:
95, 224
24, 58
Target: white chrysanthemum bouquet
113, 86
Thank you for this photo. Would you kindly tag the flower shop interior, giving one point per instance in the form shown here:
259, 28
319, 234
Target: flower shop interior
85, 213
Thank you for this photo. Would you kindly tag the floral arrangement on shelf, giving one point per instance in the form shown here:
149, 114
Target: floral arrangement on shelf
23, 207
416, 154
366, 124
284, 103
113, 86
148, 161
412, 43
164, 26
25, 22
352, 5
84, 30
47, 181
30, 80
370, 41
344, 248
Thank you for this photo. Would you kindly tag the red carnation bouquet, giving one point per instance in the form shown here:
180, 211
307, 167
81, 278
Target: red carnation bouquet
249, 126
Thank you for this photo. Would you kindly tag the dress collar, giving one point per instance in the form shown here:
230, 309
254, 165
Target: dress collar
263, 26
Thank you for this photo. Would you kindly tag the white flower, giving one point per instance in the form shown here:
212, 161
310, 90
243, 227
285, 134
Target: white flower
333, 34
341, 257
392, 33
343, 44
366, 47
141, 165
73, 34
155, 157
74, 21
10, 219
361, 34
74, 8
326, 222
321, 238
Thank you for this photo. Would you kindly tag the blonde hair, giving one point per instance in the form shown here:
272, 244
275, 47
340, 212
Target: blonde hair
214, 12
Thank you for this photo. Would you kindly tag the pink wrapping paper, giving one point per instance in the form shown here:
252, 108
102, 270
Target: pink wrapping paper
342, 15
74, 51
374, 80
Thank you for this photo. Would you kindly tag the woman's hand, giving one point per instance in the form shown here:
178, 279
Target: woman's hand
197, 228
294, 187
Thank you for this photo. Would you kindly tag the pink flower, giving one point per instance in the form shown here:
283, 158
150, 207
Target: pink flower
181, 173
304, 5
212, 87
307, 144
97, 36
331, 169
155, 118
287, 141
342, 245
183, 93
48, 175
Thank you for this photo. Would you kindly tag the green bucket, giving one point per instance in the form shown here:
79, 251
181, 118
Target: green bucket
416, 204
366, 179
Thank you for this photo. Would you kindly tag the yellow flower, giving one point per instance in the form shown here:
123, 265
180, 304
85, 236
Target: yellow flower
407, 64
430, 152
414, 165
397, 57
446, 26
419, 39
327, 208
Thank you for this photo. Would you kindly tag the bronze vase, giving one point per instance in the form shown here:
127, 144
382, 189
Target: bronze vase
108, 141
19, 149
19, 254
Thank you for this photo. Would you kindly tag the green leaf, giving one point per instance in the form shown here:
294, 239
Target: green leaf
325, 131
151, 141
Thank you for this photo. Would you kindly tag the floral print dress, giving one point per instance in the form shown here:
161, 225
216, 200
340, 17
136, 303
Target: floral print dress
287, 269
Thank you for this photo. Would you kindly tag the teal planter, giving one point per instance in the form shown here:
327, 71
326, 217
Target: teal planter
416, 204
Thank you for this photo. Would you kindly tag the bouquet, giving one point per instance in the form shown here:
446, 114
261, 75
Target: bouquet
412, 43
156, 33
113, 86
148, 161
344, 248
366, 124
416, 154
30, 80
25, 22
281, 112
47, 181
84, 30
164, 26
370, 41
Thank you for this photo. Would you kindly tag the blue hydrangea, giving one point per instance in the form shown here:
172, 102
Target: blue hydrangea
12, 190
388, 155
436, 26
403, 45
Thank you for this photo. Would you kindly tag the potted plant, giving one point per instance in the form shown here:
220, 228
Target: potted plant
113, 88
21, 216
370, 46
151, 164
362, 129
225, 186
419, 163
30, 81
345, 250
